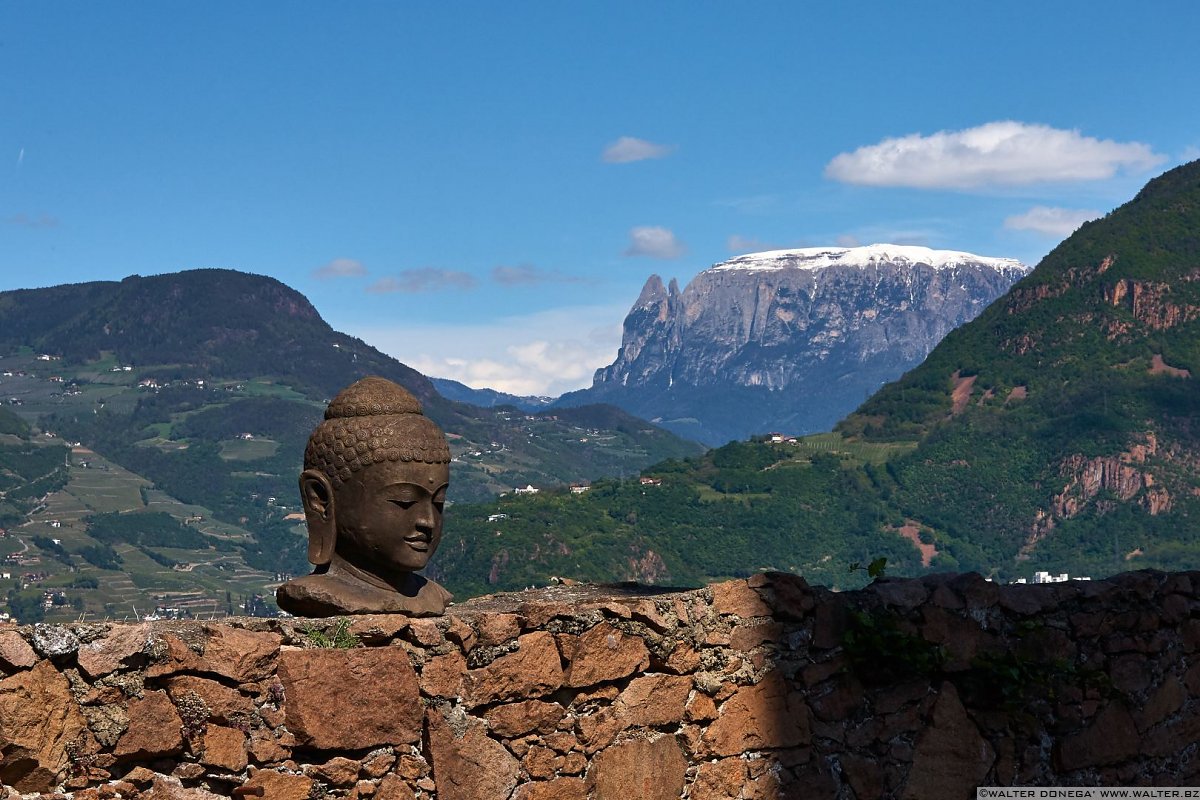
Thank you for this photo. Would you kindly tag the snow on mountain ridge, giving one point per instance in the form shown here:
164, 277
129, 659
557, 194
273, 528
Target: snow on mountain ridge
815, 258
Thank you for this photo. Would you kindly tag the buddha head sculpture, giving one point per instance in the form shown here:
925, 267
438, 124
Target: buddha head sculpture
373, 487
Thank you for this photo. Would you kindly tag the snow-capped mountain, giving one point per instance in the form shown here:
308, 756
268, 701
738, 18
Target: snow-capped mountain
789, 340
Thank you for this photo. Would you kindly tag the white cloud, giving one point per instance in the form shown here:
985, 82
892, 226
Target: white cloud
543, 353
1190, 153
26, 221
340, 268
847, 240
654, 242
995, 154
425, 279
630, 148
1058, 222
527, 274
748, 244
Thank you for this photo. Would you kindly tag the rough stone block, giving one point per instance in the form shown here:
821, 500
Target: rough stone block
350, 699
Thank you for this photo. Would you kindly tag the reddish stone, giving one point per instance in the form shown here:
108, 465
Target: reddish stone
188, 771
537, 613
412, 767
467, 765
15, 652
573, 764
38, 718
497, 629
647, 611
700, 708
462, 634
174, 656
515, 719
224, 703
274, 785
654, 699
605, 654
792, 596
562, 741
377, 628
647, 770
842, 699
864, 775
533, 670
684, 659
393, 787
444, 675
1111, 738
951, 757
224, 748
765, 715
719, 780
598, 730
238, 654
539, 762
351, 699
377, 766
557, 789
1162, 703
425, 632
169, 788
829, 625
737, 598
123, 646
747, 637
264, 748
154, 729
338, 771
567, 643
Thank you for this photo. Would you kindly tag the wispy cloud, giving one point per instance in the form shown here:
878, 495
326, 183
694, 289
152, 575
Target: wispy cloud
542, 353
1004, 153
529, 275
630, 148
654, 242
424, 279
847, 240
1057, 222
29, 221
748, 244
340, 268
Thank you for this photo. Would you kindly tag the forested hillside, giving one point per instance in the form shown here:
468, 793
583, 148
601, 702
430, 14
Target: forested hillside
1060, 430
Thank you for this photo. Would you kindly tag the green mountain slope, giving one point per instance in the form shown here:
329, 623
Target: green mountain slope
193, 394
1060, 430
1061, 426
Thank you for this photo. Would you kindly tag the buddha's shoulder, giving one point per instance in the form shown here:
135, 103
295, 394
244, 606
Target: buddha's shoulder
325, 595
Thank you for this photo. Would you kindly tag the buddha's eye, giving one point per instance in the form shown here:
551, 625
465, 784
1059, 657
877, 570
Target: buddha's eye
403, 502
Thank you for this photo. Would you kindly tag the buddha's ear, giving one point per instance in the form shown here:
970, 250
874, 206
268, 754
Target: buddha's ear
317, 494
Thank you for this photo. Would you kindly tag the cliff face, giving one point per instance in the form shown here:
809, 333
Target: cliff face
790, 340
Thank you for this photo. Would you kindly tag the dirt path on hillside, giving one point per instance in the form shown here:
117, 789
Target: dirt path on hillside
962, 393
912, 532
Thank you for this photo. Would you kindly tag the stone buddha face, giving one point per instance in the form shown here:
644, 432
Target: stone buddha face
373, 487
387, 518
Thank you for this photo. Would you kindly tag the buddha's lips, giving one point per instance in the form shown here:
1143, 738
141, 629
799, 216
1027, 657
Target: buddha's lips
419, 541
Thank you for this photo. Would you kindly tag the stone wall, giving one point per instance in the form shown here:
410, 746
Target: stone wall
758, 688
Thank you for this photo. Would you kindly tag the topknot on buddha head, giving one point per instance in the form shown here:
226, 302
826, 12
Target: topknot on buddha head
371, 421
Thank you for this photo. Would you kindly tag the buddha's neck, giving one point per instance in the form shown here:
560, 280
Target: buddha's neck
339, 564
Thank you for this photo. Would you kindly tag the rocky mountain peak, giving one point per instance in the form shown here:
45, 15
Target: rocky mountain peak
790, 339
816, 258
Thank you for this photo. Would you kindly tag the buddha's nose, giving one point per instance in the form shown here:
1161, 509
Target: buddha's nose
424, 516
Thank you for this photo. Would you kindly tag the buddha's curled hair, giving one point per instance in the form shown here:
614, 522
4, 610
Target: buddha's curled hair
370, 421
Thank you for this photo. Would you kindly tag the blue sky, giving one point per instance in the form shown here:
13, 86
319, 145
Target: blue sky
481, 189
